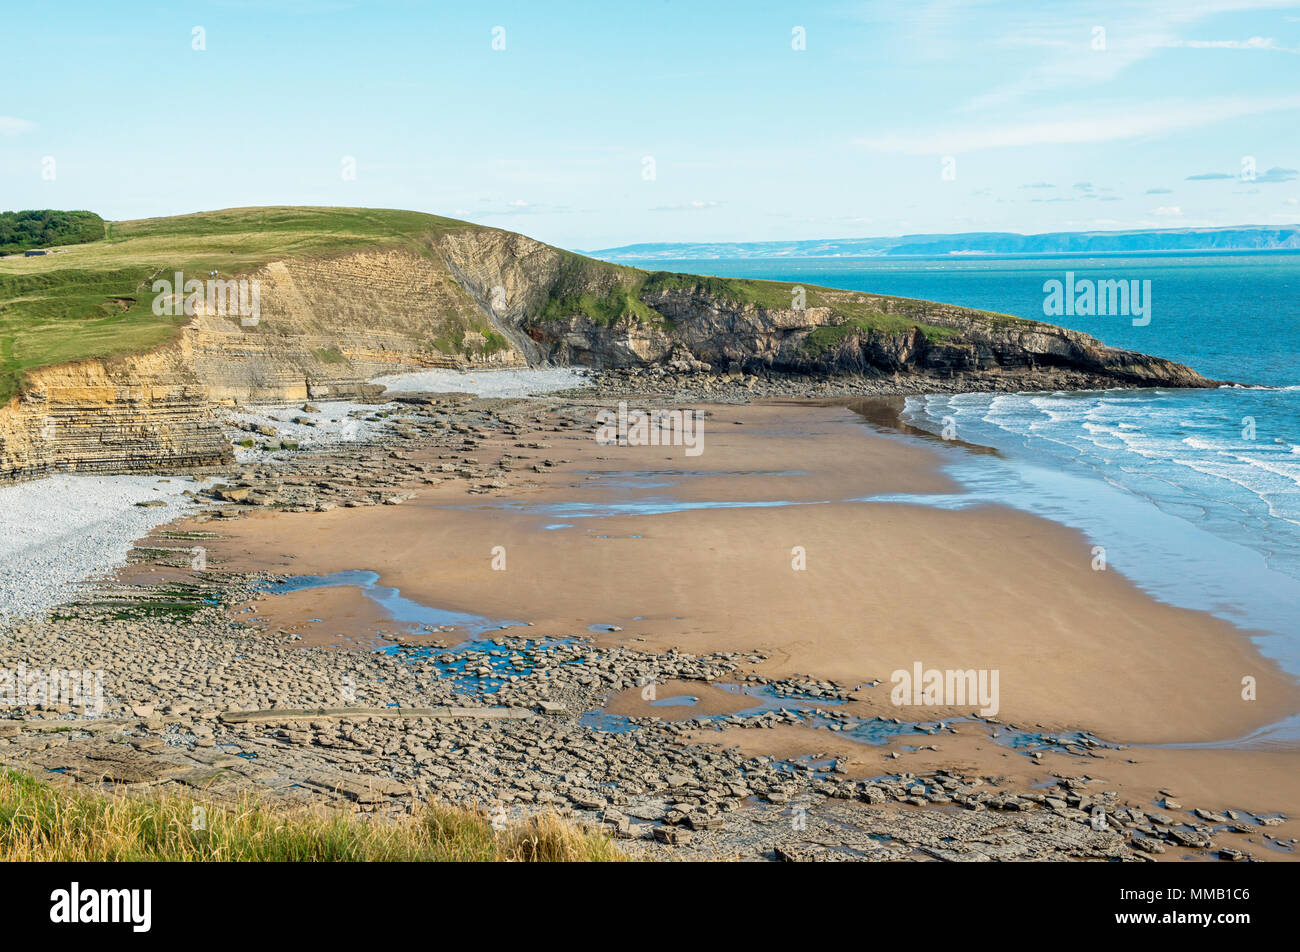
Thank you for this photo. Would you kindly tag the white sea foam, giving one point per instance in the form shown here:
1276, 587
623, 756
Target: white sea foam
1178, 451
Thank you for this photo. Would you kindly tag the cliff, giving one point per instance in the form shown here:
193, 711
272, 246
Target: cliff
126, 415
100, 382
558, 307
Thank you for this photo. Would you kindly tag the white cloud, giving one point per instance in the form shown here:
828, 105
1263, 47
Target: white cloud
1153, 119
1254, 43
1133, 32
9, 126
1168, 211
688, 207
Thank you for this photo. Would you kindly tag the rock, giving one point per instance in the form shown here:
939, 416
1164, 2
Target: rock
619, 824
230, 493
672, 836
1191, 838
649, 812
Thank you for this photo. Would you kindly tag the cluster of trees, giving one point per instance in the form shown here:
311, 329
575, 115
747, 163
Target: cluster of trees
44, 227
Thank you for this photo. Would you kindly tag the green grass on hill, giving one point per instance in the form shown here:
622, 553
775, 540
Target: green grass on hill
605, 293
741, 291
456, 342
95, 300
40, 822
631, 296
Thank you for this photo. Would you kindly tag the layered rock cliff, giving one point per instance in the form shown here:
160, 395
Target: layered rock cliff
326, 327
128, 415
560, 308
479, 297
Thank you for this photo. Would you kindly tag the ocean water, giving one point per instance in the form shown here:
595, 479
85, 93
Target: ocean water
1195, 495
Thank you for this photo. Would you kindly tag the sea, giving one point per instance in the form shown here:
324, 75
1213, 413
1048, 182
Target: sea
1193, 495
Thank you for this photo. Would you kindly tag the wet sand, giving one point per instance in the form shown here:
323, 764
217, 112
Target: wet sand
885, 586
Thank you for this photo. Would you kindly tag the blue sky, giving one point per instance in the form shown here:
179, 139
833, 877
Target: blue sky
1049, 124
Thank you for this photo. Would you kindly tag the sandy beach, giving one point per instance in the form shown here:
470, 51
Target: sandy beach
483, 600
696, 553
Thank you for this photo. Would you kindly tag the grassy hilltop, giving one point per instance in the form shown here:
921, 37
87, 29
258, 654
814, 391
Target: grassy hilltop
94, 300
628, 299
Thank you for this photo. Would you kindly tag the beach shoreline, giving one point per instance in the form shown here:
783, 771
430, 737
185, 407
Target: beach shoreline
647, 550
752, 509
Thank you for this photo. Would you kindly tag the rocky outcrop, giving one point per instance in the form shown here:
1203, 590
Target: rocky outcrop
548, 302
943, 341
128, 415
326, 327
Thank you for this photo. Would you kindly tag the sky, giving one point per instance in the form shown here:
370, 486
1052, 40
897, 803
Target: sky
596, 124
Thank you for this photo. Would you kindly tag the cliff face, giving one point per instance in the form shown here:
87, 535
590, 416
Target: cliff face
944, 341
326, 327
329, 325
479, 297
129, 415
545, 306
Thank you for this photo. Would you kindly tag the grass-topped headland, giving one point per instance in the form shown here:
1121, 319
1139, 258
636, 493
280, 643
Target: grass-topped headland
94, 300
607, 293
40, 822
603, 293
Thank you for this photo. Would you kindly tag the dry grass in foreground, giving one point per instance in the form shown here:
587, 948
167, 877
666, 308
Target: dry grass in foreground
46, 823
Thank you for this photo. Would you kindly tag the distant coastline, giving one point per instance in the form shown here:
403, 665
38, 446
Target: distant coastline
1234, 240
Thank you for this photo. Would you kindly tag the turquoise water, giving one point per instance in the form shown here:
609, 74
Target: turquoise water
1195, 495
